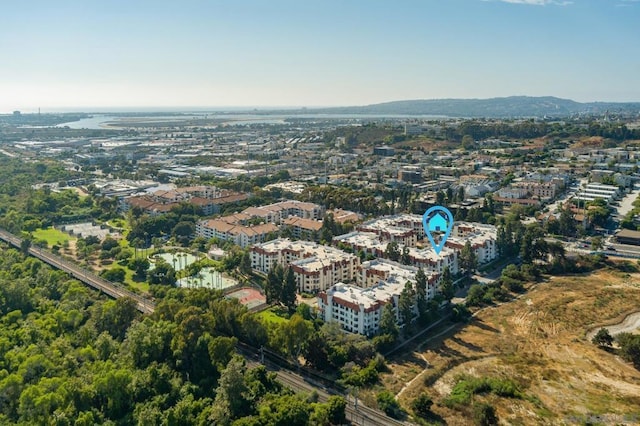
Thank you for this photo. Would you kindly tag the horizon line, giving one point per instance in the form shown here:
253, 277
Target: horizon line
226, 108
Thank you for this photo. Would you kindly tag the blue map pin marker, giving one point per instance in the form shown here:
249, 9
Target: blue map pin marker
437, 219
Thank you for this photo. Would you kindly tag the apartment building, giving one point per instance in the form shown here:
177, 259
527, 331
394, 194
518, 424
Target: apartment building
277, 212
358, 309
316, 267
482, 238
302, 227
404, 229
226, 229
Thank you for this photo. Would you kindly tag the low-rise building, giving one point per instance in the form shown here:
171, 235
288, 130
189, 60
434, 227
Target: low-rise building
210, 199
302, 227
228, 230
277, 212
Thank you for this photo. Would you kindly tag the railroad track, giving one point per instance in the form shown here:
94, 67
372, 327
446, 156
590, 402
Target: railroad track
358, 414
143, 304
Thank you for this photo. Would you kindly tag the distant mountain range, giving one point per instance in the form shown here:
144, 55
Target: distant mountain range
513, 106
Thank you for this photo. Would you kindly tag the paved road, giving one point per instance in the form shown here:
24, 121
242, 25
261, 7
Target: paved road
626, 204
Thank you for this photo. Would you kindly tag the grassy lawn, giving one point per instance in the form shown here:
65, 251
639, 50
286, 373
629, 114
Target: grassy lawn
52, 236
140, 285
269, 315
119, 224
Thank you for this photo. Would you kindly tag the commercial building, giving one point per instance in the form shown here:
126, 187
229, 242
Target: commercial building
594, 191
410, 175
385, 151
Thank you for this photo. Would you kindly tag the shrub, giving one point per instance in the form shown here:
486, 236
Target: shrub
388, 404
468, 386
484, 415
421, 406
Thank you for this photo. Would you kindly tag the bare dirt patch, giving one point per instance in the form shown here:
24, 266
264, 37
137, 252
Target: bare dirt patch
540, 343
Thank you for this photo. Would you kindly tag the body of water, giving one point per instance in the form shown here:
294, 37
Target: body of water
94, 122
100, 121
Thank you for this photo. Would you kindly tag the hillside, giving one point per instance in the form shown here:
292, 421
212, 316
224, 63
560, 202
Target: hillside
538, 344
508, 107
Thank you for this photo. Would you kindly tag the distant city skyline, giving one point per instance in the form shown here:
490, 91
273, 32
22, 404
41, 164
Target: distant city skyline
78, 55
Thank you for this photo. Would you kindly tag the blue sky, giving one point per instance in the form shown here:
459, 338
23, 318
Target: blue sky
97, 53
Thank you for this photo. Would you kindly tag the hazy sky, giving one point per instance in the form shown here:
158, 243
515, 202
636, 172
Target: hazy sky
106, 53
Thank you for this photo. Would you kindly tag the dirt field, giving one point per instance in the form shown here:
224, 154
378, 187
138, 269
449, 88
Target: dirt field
538, 341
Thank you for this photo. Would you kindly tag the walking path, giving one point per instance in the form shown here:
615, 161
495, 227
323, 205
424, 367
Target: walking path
406, 386
629, 324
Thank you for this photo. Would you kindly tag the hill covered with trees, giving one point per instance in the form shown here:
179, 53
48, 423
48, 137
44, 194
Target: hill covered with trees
68, 356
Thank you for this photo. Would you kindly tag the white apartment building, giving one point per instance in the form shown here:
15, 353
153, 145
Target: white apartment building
359, 310
238, 234
429, 261
403, 228
316, 267
425, 258
482, 238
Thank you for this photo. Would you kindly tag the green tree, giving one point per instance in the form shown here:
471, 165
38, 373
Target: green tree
484, 414
25, 245
288, 295
598, 212
162, 273
294, 335
468, 142
446, 284
421, 406
388, 321
475, 295
231, 394
387, 403
392, 252
597, 243
567, 223
139, 267
116, 275
337, 406
273, 285
468, 259
603, 338
421, 292
405, 304
115, 316
245, 263
630, 347
405, 257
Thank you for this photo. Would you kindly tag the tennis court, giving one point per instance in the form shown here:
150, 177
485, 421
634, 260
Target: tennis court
248, 296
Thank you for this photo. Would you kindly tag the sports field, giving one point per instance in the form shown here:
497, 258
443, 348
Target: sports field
249, 297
